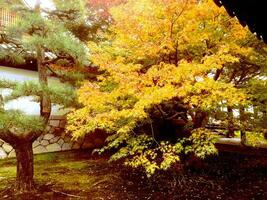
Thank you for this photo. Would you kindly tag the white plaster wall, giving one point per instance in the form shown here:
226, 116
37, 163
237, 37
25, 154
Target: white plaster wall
25, 104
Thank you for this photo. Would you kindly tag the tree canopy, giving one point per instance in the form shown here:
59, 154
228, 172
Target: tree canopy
168, 66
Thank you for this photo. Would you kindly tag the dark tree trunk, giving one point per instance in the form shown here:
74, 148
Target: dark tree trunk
255, 114
243, 137
22, 145
242, 122
200, 119
230, 119
24, 180
45, 103
264, 115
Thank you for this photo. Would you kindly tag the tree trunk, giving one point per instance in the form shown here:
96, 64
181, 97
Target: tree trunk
243, 137
200, 119
24, 180
230, 121
242, 122
255, 114
264, 115
45, 103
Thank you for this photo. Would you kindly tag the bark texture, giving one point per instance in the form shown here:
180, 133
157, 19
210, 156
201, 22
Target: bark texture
45, 102
230, 120
242, 121
24, 179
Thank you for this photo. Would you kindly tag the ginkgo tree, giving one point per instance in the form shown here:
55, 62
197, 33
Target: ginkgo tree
164, 72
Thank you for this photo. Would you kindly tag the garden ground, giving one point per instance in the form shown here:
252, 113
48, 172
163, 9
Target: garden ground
79, 175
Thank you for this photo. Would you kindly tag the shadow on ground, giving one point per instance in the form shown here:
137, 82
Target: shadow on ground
79, 175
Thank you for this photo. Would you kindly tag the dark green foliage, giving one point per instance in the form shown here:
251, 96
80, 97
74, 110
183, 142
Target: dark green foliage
61, 31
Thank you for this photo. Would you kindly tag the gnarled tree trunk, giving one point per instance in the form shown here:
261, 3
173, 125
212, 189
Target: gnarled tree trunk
24, 179
22, 145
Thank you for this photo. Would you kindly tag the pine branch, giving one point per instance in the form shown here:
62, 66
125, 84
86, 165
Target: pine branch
60, 94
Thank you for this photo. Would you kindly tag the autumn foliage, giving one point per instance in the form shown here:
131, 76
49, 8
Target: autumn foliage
165, 66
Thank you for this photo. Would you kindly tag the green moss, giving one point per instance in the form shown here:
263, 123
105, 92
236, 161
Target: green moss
8, 172
69, 171
7, 162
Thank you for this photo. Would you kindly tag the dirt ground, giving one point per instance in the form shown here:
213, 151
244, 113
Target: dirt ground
79, 175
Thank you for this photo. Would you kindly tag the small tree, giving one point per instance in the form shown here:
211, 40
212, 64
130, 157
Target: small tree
47, 36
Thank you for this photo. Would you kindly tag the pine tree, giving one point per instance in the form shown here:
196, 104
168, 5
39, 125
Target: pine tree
47, 36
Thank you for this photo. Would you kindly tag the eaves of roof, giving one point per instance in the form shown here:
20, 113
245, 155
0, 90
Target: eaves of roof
249, 13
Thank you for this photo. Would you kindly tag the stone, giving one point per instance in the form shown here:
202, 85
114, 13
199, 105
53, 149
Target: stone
52, 130
7, 148
48, 136
56, 117
54, 140
39, 149
54, 123
44, 143
12, 154
1, 143
48, 129
60, 141
88, 145
3, 154
53, 147
40, 137
66, 146
35, 143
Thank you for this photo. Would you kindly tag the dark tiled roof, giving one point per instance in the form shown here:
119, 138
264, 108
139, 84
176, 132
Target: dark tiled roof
252, 13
